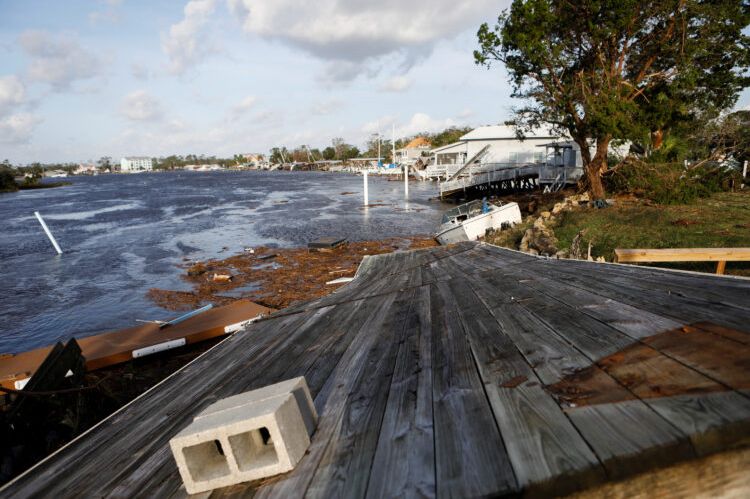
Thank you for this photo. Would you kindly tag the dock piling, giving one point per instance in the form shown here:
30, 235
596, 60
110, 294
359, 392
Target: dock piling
49, 234
364, 176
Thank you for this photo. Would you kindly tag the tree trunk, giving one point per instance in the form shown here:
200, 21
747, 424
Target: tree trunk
657, 139
596, 165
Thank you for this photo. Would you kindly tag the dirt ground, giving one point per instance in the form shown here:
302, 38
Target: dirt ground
275, 277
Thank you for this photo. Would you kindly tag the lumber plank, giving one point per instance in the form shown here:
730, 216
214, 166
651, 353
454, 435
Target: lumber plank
718, 357
404, 463
714, 421
616, 445
678, 307
629, 437
547, 453
470, 456
330, 402
682, 255
344, 469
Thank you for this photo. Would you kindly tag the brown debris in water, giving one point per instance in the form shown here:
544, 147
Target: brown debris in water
294, 275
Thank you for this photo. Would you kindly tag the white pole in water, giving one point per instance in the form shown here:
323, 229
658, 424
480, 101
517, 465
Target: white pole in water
49, 234
367, 200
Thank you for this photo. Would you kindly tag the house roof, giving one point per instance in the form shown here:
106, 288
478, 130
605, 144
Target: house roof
418, 142
504, 132
447, 148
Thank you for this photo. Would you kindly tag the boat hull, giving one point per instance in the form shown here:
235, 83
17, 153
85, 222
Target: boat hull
476, 227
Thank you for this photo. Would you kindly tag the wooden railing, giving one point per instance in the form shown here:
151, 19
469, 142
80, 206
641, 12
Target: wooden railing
719, 255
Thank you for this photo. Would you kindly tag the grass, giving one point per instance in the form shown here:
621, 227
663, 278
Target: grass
721, 220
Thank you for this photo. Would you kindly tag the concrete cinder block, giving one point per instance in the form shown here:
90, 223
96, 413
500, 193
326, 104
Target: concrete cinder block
245, 437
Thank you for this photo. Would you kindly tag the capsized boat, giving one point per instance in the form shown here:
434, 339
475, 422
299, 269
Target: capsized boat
470, 221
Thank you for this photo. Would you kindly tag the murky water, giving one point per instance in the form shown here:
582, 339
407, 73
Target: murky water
124, 234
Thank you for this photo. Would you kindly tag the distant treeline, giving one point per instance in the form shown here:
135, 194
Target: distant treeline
338, 150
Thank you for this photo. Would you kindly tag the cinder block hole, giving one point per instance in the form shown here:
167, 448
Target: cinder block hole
253, 449
206, 461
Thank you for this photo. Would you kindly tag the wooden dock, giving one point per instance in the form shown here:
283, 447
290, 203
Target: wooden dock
460, 371
115, 347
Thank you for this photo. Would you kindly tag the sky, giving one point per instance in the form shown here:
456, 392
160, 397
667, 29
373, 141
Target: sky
82, 79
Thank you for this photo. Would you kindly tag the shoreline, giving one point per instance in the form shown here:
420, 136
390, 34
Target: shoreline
275, 277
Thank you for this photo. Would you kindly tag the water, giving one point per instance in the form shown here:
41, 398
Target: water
124, 234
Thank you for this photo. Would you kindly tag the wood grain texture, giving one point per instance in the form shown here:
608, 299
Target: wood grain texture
470, 456
464, 370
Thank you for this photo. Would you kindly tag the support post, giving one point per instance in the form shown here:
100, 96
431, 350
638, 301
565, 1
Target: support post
364, 176
720, 267
49, 234
406, 180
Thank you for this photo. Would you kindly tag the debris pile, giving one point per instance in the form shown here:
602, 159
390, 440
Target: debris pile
275, 277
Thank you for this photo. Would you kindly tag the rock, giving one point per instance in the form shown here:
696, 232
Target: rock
532, 252
539, 239
584, 197
558, 208
600, 259
562, 254
545, 215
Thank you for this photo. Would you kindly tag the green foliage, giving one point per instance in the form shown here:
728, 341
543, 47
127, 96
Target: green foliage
329, 153
719, 220
447, 136
7, 183
603, 69
671, 183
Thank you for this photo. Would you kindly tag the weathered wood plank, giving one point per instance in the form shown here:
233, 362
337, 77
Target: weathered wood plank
344, 469
470, 456
617, 446
719, 358
629, 437
331, 402
404, 464
547, 453
714, 421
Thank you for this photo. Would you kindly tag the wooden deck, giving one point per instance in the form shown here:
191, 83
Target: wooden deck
465, 370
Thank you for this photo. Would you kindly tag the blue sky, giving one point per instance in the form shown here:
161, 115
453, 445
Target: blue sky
83, 79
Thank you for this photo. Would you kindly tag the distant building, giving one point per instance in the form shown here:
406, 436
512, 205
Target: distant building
85, 169
253, 160
505, 146
54, 173
131, 164
413, 150
203, 168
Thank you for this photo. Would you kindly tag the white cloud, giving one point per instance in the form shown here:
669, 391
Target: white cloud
185, 44
140, 106
241, 110
419, 122
325, 107
57, 60
17, 128
396, 84
139, 71
246, 103
12, 93
359, 33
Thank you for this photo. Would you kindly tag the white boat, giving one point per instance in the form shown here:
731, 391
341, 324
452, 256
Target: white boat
470, 221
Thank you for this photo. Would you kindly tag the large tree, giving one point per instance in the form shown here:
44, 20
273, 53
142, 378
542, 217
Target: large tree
618, 69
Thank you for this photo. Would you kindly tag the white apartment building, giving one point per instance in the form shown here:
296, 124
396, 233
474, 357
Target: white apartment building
132, 164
